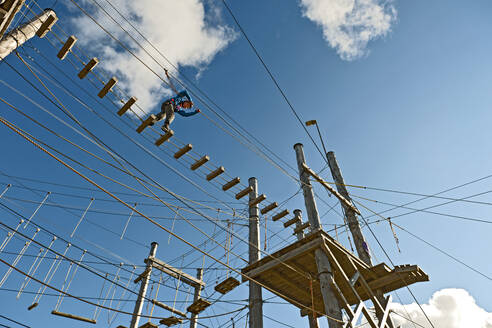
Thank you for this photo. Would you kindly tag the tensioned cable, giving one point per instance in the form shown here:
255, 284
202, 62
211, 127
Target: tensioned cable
320, 198
71, 115
17, 131
110, 152
273, 78
415, 210
391, 261
181, 83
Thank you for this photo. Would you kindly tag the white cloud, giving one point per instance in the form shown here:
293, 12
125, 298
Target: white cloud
447, 308
348, 25
181, 30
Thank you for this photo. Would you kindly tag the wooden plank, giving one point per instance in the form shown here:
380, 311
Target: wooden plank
142, 275
166, 136
149, 324
291, 221
268, 208
330, 189
301, 227
88, 67
280, 215
72, 316
231, 183
127, 106
212, 175
176, 273
66, 47
108, 87
46, 26
200, 162
168, 308
244, 192
227, 285
257, 200
278, 260
182, 151
198, 306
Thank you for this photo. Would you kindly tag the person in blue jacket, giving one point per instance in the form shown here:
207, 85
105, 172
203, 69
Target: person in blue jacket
176, 104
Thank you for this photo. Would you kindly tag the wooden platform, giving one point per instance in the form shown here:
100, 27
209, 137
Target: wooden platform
300, 256
227, 285
198, 306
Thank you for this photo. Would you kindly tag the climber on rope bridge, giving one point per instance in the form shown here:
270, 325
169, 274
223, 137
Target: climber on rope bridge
175, 105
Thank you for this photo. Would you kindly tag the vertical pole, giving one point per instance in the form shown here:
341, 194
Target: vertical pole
255, 297
198, 290
143, 287
313, 320
332, 308
354, 226
17, 37
353, 223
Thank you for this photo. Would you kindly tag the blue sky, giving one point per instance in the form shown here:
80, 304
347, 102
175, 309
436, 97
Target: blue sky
409, 114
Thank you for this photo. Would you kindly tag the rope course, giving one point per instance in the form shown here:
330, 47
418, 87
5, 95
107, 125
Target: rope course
136, 199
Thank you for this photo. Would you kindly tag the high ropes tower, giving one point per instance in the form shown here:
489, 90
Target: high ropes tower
315, 272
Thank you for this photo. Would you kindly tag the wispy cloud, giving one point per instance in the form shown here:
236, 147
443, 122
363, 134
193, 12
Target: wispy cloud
182, 30
348, 25
447, 308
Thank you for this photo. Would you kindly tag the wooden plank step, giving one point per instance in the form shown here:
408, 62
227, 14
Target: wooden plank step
66, 47
198, 306
216, 173
150, 120
182, 151
200, 162
88, 67
301, 227
171, 321
164, 138
268, 208
104, 91
257, 200
46, 26
149, 325
75, 317
291, 221
227, 285
244, 192
231, 183
280, 215
127, 106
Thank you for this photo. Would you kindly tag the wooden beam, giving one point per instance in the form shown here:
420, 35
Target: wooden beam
176, 273
88, 67
66, 47
108, 87
291, 221
231, 183
301, 227
330, 188
244, 192
182, 151
168, 308
268, 208
257, 200
280, 215
212, 175
127, 106
46, 26
72, 316
199, 162
166, 136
